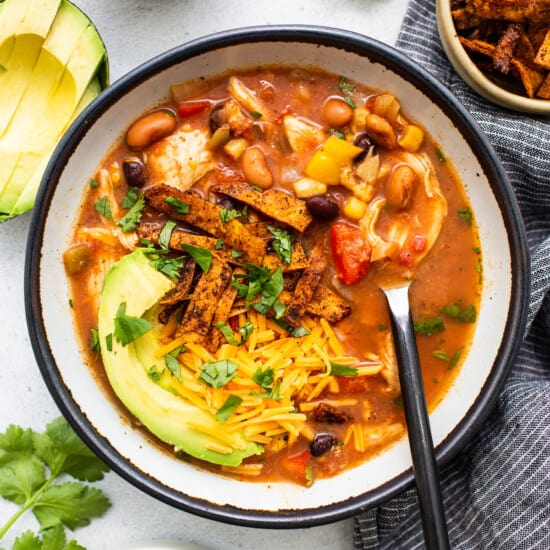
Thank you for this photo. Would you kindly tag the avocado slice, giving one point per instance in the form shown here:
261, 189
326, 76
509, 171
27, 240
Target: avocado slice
71, 55
134, 281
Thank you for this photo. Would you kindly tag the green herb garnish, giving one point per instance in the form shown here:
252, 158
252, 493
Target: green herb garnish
103, 207
154, 374
465, 214
282, 243
342, 370
219, 244
179, 206
94, 183
226, 214
256, 115
131, 219
467, 314
94, 346
166, 234
131, 197
430, 326
228, 408
171, 267
127, 328
172, 363
202, 256
235, 254
227, 333
32, 465
439, 155
346, 88
218, 373
245, 331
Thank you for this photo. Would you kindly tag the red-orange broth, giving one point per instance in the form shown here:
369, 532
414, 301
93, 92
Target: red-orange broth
363, 412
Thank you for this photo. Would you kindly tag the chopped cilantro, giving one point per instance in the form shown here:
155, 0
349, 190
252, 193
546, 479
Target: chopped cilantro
171, 267
296, 332
71, 304
227, 333
218, 245
382, 328
172, 363
127, 328
109, 342
131, 197
337, 133
228, 408
467, 314
465, 214
245, 331
342, 370
131, 219
166, 234
218, 373
476, 249
236, 253
202, 256
226, 214
179, 206
103, 207
430, 326
309, 475
439, 155
94, 183
94, 346
256, 188
256, 115
264, 378
346, 88
282, 243
441, 354
154, 373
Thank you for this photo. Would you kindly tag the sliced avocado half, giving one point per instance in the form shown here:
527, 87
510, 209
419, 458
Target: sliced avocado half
134, 281
52, 56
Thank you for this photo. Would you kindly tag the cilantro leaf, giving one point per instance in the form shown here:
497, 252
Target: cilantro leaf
179, 206
127, 328
21, 478
166, 233
465, 214
172, 363
103, 207
218, 373
72, 504
131, 219
94, 183
227, 333
346, 88
467, 314
439, 155
264, 378
429, 326
342, 370
296, 332
131, 197
171, 267
202, 256
245, 331
282, 243
228, 408
226, 214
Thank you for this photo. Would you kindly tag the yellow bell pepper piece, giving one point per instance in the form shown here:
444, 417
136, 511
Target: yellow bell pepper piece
324, 168
341, 150
412, 137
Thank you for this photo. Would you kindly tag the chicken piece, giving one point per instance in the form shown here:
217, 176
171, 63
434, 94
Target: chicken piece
247, 99
180, 159
302, 135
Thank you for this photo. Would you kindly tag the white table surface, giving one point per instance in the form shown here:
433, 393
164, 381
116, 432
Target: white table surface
134, 31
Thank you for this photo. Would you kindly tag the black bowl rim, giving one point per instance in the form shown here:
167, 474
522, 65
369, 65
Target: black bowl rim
416, 75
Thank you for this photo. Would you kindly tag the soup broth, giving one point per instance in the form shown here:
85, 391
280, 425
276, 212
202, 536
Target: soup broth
277, 201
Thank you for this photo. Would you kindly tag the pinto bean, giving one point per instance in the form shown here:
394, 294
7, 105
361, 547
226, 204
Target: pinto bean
381, 131
255, 168
151, 128
336, 112
400, 186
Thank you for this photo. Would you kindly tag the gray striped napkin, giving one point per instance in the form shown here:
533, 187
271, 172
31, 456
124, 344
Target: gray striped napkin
497, 490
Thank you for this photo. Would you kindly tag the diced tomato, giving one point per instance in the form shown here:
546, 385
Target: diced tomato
419, 243
298, 467
351, 252
352, 384
405, 258
188, 108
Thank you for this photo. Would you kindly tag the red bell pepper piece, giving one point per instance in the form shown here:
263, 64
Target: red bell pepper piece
188, 108
298, 467
351, 252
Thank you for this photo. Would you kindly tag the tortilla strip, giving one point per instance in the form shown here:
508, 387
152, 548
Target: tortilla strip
206, 216
308, 282
505, 47
180, 237
324, 303
512, 10
543, 54
202, 307
181, 291
544, 90
530, 78
274, 203
216, 338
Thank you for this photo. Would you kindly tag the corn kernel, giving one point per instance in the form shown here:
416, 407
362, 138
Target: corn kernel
235, 147
411, 139
307, 187
359, 118
355, 208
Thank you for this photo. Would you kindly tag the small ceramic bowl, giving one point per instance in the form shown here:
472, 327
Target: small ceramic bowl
473, 76
97, 419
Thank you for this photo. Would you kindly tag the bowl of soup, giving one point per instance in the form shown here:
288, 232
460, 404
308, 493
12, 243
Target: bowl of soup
203, 281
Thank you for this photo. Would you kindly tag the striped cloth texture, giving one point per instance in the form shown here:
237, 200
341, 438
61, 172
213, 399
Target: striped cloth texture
496, 491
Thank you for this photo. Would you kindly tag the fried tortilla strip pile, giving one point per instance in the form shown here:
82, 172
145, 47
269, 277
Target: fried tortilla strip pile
274, 203
508, 37
207, 216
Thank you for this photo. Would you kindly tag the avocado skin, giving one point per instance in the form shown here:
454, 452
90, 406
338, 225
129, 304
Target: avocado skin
133, 280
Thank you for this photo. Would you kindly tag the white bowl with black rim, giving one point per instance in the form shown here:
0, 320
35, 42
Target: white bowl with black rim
129, 452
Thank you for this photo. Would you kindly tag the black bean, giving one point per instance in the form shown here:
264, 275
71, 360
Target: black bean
322, 208
322, 443
364, 141
134, 171
227, 203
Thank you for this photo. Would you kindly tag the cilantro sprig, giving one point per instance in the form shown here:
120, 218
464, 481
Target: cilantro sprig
35, 469
282, 243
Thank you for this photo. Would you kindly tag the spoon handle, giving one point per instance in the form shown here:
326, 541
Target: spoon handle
418, 425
